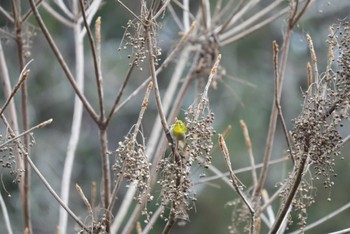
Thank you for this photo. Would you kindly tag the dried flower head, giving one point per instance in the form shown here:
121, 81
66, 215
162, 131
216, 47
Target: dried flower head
316, 134
132, 164
175, 170
134, 38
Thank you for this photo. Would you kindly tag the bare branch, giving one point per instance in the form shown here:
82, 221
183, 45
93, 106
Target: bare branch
6, 215
313, 58
41, 125
23, 76
6, 14
250, 150
62, 62
96, 55
235, 182
277, 99
76, 122
326, 218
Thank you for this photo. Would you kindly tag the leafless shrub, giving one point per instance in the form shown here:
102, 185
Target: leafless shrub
160, 171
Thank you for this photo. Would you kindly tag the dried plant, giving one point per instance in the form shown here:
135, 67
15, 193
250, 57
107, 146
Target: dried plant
147, 174
315, 136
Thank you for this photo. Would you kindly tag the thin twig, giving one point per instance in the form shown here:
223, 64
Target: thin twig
41, 125
62, 5
19, 28
253, 28
228, 20
54, 194
183, 8
237, 171
153, 220
36, 170
244, 25
235, 182
160, 11
309, 77
24, 75
96, 55
204, 97
90, 13
273, 120
217, 8
313, 58
326, 218
58, 16
6, 14
277, 99
134, 135
6, 33
106, 171
343, 231
155, 83
292, 191
186, 15
138, 210
227, 9
269, 210
29, 12
93, 194
130, 11
205, 13
11, 110
85, 200
62, 62
6, 215
295, 18
160, 68
250, 150
120, 93
241, 10
76, 122
176, 18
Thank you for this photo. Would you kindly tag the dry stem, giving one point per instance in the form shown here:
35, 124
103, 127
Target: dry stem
250, 150
235, 182
76, 122
62, 62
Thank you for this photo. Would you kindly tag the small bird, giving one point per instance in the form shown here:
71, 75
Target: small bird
179, 130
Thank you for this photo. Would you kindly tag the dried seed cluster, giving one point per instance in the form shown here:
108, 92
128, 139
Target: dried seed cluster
135, 39
96, 227
175, 170
209, 51
200, 134
8, 158
315, 134
131, 163
240, 216
303, 199
176, 187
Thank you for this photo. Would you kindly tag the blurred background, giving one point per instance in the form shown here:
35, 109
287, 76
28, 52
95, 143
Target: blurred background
245, 92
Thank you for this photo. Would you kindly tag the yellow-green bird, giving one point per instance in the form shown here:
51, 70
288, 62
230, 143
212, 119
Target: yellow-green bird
179, 130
